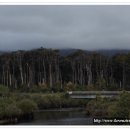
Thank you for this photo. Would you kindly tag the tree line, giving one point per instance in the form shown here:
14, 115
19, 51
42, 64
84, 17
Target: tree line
46, 67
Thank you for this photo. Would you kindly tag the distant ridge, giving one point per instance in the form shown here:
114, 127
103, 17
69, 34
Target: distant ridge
104, 52
68, 51
3, 52
113, 52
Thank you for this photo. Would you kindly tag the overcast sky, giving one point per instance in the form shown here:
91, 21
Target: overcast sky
85, 27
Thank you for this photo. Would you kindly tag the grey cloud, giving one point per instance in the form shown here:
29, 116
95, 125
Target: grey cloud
84, 27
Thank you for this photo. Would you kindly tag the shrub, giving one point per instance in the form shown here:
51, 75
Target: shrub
121, 108
101, 83
4, 103
57, 87
2, 109
91, 88
80, 87
4, 89
55, 100
69, 86
27, 106
98, 107
39, 89
20, 96
114, 111
42, 101
118, 108
12, 110
66, 95
124, 100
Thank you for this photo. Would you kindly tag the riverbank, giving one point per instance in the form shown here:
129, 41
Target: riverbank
118, 108
21, 106
17, 107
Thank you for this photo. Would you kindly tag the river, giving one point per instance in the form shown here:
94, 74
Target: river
60, 117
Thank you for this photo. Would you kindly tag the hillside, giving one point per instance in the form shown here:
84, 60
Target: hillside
109, 53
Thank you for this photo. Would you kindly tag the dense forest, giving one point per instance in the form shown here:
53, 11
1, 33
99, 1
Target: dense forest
48, 68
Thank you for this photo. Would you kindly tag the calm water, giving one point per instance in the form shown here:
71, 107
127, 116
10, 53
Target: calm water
60, 117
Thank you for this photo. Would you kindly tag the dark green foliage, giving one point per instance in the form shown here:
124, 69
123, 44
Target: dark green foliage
19, 96
5, 105
27, 106
12, 111
69, 87
121, 108
42, 101
3, 89
118, 108
57, 100
114, 111
124, 100
43, 70
57, 87
39, 89
20, 106
72, 87
101, 84
98, 107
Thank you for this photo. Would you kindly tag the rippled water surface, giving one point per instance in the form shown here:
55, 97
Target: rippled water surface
60, 117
